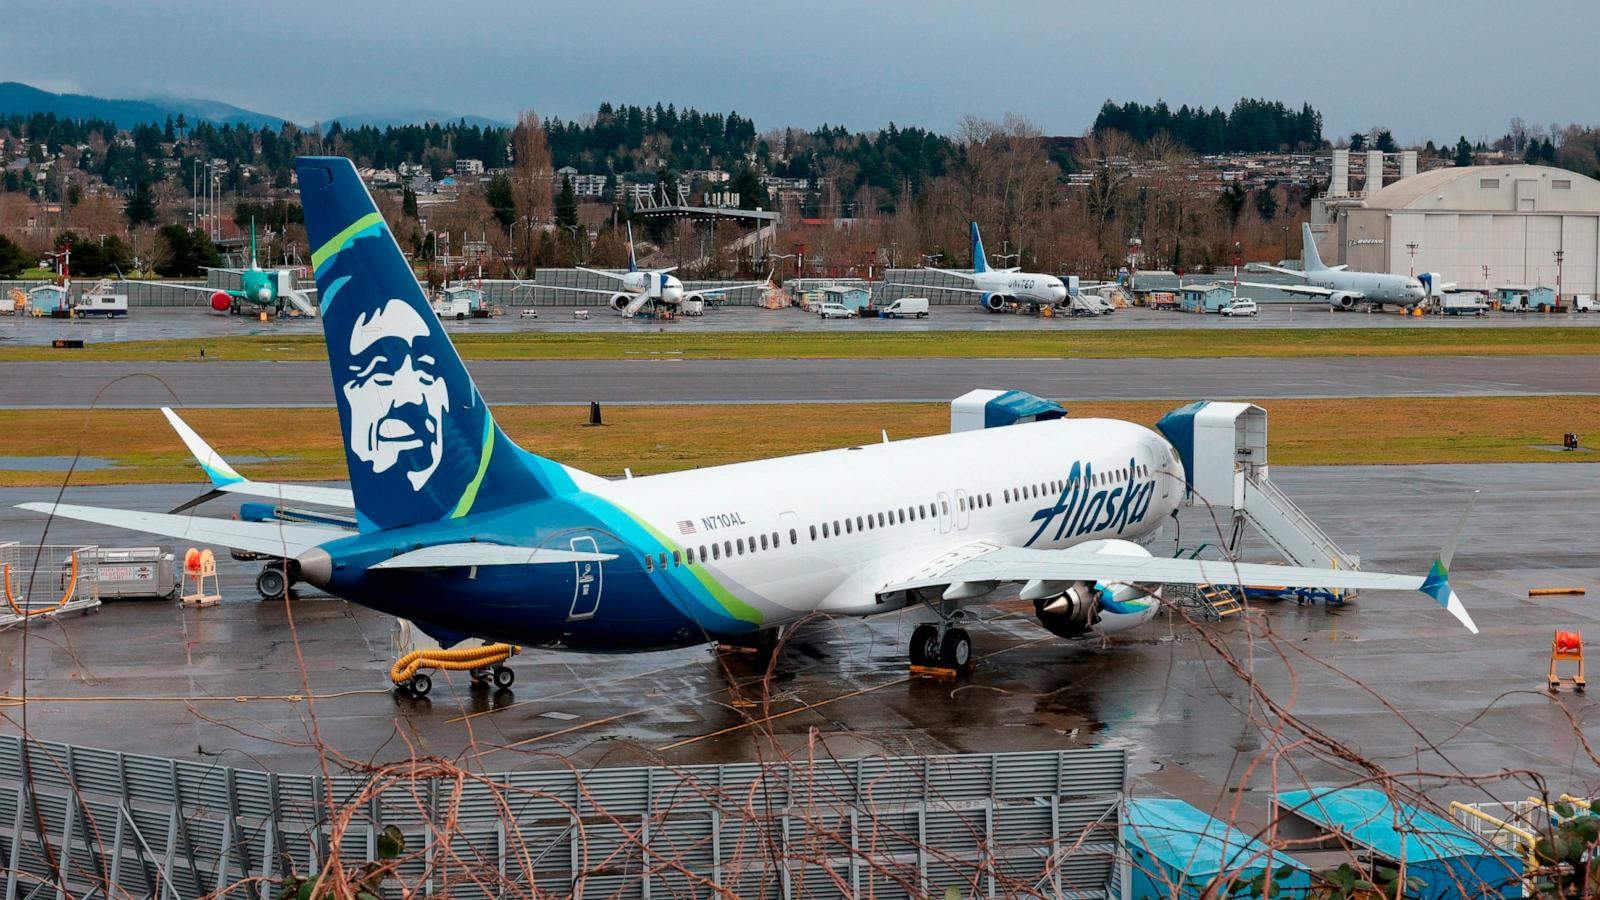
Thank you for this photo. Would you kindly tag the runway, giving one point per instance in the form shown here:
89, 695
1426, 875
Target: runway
291, 384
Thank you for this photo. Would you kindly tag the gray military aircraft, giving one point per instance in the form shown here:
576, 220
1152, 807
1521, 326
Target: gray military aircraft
1346, 290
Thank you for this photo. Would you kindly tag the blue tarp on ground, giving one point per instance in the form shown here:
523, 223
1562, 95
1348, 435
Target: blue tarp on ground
1449, 860
1175, 850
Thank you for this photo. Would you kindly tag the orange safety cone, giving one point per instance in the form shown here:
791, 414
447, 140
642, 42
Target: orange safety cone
199, 566
1567, 646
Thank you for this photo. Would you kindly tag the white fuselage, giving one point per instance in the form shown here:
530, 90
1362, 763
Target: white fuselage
825, 531
1024, 287
1375, 287
661, 287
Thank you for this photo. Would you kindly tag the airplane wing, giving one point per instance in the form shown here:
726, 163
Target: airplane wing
269, 538
967, 275
445, 556
226, 479
768, 284
939, 287
984, 561
600, 272
1263, 267
1307, 289
190, 287
552, 287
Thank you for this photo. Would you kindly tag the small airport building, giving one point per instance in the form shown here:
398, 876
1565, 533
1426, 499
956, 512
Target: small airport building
1459, 220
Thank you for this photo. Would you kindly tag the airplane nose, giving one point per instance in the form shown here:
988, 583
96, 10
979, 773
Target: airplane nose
1058, 292
672, 293
264, 295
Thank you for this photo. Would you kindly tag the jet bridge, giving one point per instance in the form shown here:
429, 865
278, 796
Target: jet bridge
1224, 451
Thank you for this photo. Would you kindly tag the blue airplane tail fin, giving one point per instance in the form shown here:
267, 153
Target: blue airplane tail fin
420, 443
980, 262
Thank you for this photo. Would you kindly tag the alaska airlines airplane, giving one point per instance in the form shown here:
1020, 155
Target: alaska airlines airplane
469, 536
998, 287
640, 287
1344, 289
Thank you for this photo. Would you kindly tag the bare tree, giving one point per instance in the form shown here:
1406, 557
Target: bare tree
532, 184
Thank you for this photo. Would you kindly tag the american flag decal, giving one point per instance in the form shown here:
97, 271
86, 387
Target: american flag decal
685, 526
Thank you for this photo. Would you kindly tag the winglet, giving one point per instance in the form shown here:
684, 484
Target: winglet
216, 468
1437, 582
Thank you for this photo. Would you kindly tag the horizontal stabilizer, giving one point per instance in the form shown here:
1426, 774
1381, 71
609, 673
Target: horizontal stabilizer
269, 538
445, 556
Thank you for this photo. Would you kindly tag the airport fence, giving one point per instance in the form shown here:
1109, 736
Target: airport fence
80, 822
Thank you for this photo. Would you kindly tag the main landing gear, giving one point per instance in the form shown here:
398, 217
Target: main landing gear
271, 583
940, 646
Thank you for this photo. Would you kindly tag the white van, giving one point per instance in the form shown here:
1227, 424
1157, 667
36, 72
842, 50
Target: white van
907, 306
1584, 303
1239, 306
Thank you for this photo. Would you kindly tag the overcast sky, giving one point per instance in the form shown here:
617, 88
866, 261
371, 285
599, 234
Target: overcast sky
1424, 69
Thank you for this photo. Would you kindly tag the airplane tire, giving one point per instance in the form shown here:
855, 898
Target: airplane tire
956, 649
925, 645
271, 584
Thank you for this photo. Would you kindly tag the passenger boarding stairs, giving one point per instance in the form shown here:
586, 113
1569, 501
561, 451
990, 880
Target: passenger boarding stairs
1224, 446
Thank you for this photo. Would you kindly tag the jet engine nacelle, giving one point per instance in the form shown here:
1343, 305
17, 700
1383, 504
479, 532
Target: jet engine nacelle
221, 302
1074, 609
619, 302
1343, 300
996, 302
692, 296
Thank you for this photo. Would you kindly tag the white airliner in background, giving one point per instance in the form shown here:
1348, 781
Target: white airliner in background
999, 287
644, 286
1345, 289
466, 535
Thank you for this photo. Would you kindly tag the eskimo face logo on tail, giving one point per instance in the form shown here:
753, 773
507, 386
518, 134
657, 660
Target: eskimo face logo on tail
1082, 509
397, 398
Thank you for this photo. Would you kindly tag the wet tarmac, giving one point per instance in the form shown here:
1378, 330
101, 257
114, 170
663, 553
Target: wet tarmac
178, 322
1391, 677
306, 383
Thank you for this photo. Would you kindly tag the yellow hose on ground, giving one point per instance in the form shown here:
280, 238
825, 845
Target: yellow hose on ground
462, 659
72, 585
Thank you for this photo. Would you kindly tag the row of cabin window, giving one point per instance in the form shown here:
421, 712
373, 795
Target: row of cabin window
873, 520
1102, 479
738, 546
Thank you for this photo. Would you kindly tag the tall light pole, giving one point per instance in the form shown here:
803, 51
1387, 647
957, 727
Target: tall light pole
1486, 277
1411, 247
1560, 255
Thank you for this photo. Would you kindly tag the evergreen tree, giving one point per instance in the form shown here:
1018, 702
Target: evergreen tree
12, 259
747, 184
408, 205
187, 252
141, 209
567, 205
502, 200
1358, 142
1385, 142
1463, 152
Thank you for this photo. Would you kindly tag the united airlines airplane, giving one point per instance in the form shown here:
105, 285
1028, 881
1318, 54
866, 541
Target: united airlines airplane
467, 535
999, 287
640, 287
